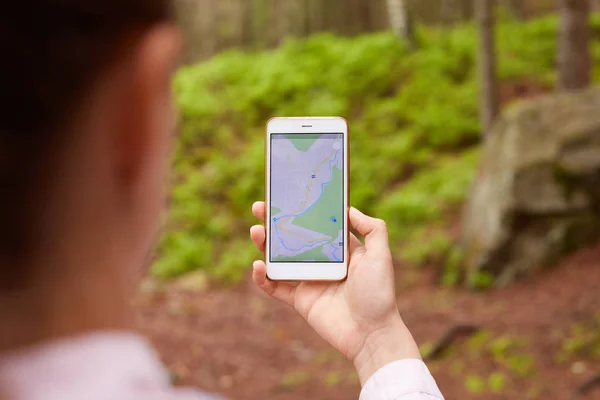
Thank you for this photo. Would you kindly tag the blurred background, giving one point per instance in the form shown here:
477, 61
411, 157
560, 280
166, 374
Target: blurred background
475, 133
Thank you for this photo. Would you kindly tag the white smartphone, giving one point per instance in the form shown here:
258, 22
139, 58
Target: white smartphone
307, 199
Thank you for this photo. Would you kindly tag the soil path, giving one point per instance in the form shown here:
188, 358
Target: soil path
239, 343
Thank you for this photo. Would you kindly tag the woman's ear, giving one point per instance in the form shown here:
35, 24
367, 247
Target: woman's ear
146, 118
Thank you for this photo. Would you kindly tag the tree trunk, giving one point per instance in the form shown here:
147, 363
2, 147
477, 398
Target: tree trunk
316, 16
517, 7
261, 11
466, 8
283, 23
306, 18
487, 63
447, 12
366, 24
400, 21
246, 26
574, 60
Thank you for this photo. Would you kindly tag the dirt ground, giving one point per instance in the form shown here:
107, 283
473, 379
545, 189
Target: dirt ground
241, 344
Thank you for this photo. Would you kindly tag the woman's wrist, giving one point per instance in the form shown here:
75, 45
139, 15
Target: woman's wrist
392, 342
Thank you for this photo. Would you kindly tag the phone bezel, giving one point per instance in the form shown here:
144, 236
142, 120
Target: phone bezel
306, 271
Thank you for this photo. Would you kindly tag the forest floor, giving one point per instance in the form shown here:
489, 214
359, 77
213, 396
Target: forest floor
534, 342
537, 339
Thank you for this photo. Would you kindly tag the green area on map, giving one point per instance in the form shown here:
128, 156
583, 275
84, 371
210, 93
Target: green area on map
275, 210
326, 215
315, 254
303, 142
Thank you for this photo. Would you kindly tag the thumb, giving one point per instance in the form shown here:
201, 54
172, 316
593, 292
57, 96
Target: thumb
374, 230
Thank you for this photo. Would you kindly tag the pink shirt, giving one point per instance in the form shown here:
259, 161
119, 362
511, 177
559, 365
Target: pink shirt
123, 366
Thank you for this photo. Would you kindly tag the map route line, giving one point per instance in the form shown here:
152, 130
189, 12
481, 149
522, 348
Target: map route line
334, 250
307, 246
310, 245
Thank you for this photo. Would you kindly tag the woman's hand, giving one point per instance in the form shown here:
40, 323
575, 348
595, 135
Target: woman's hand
359, 317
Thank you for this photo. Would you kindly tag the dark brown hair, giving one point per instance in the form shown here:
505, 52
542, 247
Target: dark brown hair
51, 51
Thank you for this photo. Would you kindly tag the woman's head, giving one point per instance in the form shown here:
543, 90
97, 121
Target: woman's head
84, 132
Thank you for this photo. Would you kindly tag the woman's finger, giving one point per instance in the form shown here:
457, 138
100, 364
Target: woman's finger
283, 292
374, 230
355, 244
258, 236
259, 210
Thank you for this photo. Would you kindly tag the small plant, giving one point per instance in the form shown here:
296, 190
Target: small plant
497, 382
511, 352
507, 351
475, 384
291, 380
481, 280
581, 341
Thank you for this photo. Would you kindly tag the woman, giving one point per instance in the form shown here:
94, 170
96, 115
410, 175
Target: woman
85, 131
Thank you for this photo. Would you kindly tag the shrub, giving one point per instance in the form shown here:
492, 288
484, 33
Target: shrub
413, 118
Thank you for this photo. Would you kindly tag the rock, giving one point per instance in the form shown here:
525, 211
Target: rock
537, 193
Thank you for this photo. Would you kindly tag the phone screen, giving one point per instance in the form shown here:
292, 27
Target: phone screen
307, 198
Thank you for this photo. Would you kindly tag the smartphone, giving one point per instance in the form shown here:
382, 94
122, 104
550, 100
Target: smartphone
307, 199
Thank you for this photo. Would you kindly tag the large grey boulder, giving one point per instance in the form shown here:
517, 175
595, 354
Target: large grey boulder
537, 193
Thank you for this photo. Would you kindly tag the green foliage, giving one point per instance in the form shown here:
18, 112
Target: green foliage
408, 112
424, 199
426, 247
481, 280
453, 267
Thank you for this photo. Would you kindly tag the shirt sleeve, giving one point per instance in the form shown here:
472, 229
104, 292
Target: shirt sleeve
402, 380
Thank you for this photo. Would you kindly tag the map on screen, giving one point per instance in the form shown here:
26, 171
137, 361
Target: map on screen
307, 198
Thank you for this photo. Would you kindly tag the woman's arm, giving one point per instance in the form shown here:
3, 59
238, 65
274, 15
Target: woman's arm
359, 317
